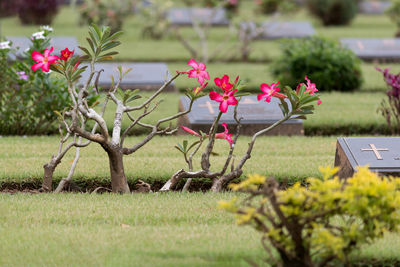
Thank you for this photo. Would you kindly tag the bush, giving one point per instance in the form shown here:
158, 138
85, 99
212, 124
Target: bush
272, 6
28, 99
320, 224
334, 12
38, 12
394, 13
8, 8
105, 13
325, 62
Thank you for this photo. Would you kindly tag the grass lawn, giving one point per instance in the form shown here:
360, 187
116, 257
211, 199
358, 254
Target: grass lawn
135, 230
295, 158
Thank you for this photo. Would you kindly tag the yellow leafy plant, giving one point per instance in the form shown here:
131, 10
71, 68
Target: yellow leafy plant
321, 223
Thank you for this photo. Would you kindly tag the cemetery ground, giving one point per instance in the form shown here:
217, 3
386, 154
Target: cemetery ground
173, 229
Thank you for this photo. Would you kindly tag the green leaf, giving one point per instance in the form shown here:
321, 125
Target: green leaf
133, 98
185, 143
193, 145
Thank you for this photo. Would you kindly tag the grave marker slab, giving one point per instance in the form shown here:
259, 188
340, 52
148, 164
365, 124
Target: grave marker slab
257, 115
188, 16
278, 29
374, 7
374, 49
382, 154
144, 76
59, 43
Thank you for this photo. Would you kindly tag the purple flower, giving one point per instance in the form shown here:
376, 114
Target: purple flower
22, 75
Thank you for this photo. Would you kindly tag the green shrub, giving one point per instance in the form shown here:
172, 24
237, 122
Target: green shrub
272, 6
322, 223
38, 12
325, 62
334, 12
28, 99
394, 13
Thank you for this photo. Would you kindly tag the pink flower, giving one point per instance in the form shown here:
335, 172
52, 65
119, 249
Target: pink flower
186, 129
270, 91
225, 135
226, 99
198, 71
43, 61
22, 75
319, 102
223, 83
310, 86
66, 54
199, 88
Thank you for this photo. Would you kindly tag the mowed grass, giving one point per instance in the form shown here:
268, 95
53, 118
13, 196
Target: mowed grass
295, 158
135, 230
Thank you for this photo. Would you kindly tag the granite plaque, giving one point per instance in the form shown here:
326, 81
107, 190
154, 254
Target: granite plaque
382, 154
144, 76
374, 7
257, 115
374, 49
276, 29
58, 43
188, 16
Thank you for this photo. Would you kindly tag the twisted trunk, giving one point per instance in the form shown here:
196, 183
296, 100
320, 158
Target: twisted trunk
49, 169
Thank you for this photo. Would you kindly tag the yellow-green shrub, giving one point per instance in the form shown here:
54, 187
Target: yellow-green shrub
314, 225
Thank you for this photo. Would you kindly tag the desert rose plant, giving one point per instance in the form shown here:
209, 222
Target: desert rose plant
75, 118
321, 224
294, 104
390, 109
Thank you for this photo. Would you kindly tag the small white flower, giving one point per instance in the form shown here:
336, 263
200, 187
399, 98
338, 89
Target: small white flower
5, 45
38, 35
46, 28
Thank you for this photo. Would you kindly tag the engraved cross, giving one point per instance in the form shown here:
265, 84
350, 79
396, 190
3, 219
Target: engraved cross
375, 150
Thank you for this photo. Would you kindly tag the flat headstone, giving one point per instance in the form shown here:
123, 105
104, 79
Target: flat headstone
279, 29
189, 16
370, 49
58, 43
374, 7
144, 76
257, 115
382, 154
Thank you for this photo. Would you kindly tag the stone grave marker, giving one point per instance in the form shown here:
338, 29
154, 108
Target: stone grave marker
144, 76
374, 49
382, 154
374, 7
257, 115
58, 43
188, 16
279, 29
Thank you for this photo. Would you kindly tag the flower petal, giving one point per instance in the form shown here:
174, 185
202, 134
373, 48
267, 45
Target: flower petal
223, 107
216, 96
45, 67
186, 129
193, 63
37, 56
52, 59
37, 66
202, 66
232, 101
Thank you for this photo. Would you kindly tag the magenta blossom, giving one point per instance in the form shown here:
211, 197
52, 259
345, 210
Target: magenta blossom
269, 92
188, 130
225, 135
311, 87
223, 83
198, 71
226, 99
43, 61
319, 102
